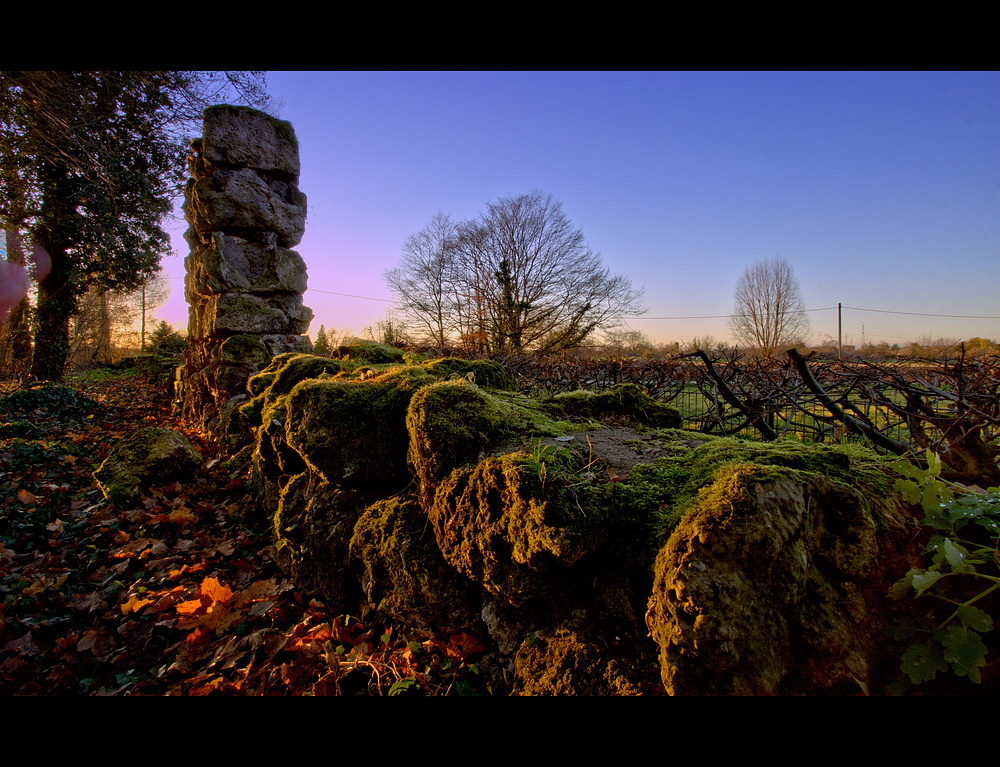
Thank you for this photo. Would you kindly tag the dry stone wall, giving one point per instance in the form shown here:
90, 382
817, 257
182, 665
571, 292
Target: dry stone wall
244, 284
597, 554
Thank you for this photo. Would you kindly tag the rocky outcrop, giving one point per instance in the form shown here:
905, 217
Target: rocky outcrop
595, 551
244, 285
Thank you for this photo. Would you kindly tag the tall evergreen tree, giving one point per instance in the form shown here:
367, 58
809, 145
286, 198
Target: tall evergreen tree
322, 344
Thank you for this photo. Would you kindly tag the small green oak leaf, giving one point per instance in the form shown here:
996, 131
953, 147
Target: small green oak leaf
922, 662
923, 580
974, 618
933, 463
965, 651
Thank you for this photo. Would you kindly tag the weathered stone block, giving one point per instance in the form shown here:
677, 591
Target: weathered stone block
248, 349
234, 265
241, 201
242, 313
283, 344
239, 137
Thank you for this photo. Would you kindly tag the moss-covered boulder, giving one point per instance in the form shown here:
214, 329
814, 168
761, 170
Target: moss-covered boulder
576, 658
353, 432
403, 573
149, 457
280, 377
313, 527
495, 523
485, 373
451, 423
775, 582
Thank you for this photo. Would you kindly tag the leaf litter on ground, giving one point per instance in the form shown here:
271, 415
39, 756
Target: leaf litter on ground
179, 595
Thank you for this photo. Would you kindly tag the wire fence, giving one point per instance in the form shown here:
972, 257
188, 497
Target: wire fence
914, 403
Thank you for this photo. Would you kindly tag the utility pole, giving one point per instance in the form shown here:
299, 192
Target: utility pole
840, 332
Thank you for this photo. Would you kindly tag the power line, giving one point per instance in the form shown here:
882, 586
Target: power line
723, 316
348, 295
824, 309
921, 314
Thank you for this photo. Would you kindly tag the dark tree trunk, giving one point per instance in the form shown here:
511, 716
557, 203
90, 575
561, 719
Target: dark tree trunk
56, 303
57, 291
15, 333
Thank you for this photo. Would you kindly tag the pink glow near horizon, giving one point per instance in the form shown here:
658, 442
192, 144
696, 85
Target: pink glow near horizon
881, 189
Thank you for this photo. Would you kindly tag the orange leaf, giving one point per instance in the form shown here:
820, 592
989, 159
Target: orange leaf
191, 607
25, 497
462, 645
215, 591
259, 590
134, 604
220, 619
182, 516
200, 637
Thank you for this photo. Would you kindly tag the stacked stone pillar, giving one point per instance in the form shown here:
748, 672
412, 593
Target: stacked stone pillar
244, 285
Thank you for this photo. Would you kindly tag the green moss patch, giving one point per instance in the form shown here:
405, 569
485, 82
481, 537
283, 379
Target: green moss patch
623, 401
280, 377
667, 486
371, 352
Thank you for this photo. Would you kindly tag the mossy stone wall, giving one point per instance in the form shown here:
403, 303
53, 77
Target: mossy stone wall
712, 566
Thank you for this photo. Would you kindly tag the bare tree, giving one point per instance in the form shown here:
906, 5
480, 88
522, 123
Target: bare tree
425, 281
389, 331
769, 312
520, 277
104, 325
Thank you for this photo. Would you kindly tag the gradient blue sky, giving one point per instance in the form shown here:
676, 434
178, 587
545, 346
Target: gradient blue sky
882, 190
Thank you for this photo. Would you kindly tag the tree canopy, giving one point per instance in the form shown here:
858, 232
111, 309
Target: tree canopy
519, 277
89, 164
